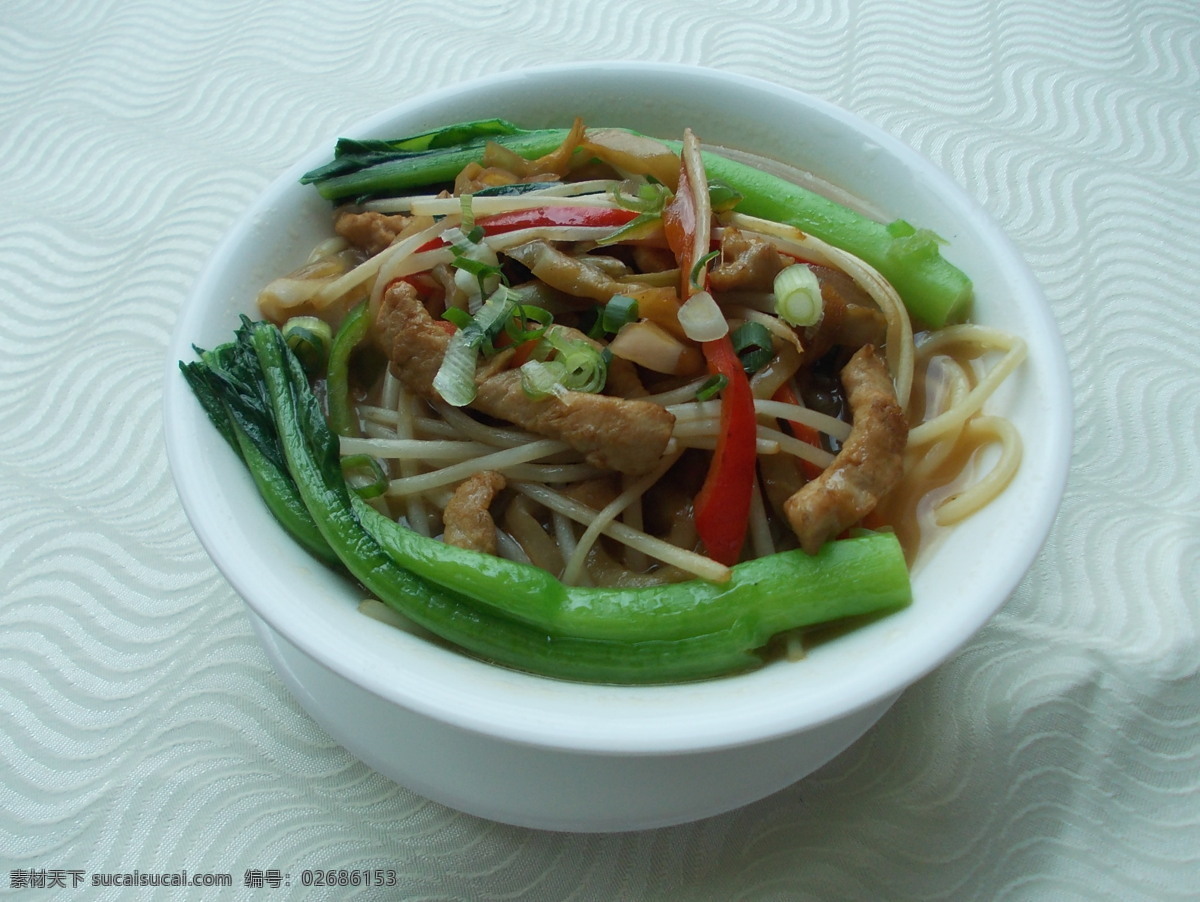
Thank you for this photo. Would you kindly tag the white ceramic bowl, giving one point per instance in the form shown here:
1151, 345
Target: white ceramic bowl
557, 755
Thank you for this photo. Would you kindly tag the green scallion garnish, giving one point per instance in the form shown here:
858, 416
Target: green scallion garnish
752, 342
711, 387
620, 309
798, 299
698, 268
310, 339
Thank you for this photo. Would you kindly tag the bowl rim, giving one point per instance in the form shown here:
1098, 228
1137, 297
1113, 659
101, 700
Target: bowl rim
646, 731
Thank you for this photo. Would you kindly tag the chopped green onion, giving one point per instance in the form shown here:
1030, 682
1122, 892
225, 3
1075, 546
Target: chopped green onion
564, 364
468, 215
458, 316
586, 370
697, 274
473, 258
541, 379
365, 475
455, 379
752, 343
517, 326
651, 197
591, 324
712, 387
620, 309
310, 339
798, 296
640, 226
477, 268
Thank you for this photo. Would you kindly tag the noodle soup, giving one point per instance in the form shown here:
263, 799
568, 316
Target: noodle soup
500, 742
569, 234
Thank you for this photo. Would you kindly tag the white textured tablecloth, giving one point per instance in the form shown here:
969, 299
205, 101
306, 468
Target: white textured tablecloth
141, 728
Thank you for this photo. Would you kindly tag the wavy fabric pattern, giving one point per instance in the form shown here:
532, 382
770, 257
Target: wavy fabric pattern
1057, 757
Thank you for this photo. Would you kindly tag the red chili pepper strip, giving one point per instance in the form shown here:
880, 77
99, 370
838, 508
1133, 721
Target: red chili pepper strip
722, 508
547, 217
679, 226
787, 395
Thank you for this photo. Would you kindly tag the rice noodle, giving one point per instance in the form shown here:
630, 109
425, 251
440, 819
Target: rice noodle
676, 396
509, 548
499, 460
980, 431
706, 439
564, 533
711, 411
693, 563
607, 515
632, 517
372, 265
416, 512
506, 240
412, 448
490, 206
795, 447
527, 532
982, 338
760, 529
545, 195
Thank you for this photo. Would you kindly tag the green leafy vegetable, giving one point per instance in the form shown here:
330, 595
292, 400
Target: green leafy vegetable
257, 393
228, 383
933, 289
352, 155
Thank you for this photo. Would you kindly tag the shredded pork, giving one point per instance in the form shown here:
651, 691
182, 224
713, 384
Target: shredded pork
868, 465
467, 517
850, 319
370, 231
612, 433
576, 276
746, 264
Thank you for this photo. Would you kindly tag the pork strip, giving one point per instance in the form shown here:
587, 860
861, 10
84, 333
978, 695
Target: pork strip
467, 517
746, 263
850, 319
613, 433
369, 231
576, 276
868, 465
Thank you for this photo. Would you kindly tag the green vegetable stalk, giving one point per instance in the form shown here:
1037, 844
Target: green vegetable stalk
511, 614
934, 290
350, 334
765, 596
